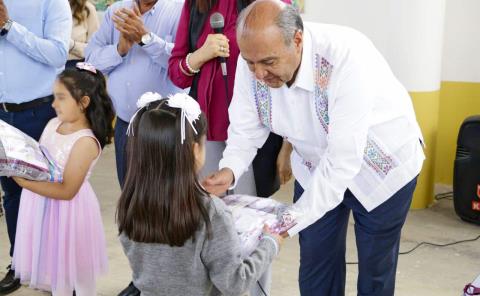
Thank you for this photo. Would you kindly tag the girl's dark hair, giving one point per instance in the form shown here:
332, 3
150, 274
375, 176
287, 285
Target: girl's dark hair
99, 112
205, 5
79, 9
162, 200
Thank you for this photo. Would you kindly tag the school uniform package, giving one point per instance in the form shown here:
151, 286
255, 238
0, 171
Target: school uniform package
252, 213
22, 156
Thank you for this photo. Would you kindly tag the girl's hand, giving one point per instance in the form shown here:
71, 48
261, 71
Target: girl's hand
275, 236
216, 45
19, 180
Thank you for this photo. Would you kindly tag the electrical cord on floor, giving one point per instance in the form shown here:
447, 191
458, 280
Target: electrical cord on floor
261, 288
431, 244
440, 196
445, 195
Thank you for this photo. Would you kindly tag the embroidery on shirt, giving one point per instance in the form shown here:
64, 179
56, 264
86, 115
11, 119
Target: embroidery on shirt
377, 159
263, 101
374, 156
323, 70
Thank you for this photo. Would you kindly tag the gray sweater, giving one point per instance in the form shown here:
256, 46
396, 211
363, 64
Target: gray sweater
204, 267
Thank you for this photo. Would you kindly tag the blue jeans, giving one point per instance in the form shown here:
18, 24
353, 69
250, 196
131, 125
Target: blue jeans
323, 245
32, 122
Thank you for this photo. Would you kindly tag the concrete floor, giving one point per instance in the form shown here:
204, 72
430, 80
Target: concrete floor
427, 271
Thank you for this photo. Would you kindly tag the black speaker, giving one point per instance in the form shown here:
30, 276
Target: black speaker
466, 172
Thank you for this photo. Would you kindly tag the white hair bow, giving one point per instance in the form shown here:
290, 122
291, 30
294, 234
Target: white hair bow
190, 110
143, 101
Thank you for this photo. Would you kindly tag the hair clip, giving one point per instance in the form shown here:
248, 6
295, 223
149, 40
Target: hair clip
87, 67
142, 102
190, 110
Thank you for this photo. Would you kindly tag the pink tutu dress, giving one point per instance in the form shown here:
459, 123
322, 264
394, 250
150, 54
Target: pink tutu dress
60, 245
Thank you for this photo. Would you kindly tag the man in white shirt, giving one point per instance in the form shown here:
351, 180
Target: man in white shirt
357, 144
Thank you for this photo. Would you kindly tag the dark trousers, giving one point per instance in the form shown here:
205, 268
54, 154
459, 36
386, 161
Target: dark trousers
32, 122
120, 141
265, 166
323, 246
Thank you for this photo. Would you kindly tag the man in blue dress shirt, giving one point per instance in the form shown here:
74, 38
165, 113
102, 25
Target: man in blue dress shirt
34, 39
132, 47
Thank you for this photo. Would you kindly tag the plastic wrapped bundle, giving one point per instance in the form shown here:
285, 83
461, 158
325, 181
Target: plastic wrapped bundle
252, 213
22, 156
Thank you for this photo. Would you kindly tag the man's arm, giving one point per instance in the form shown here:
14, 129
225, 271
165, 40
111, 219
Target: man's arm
160, 49
246, 134
101, 50
51, 48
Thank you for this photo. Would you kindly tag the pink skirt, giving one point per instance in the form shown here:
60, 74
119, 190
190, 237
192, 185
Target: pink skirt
60, 244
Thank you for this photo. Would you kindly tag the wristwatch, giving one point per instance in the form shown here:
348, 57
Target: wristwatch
6, 27
146, 39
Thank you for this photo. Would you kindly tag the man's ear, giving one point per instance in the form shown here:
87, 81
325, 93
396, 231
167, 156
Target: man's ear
298, 40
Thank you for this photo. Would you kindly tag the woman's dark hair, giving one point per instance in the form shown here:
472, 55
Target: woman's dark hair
162, 200
205, 5
99, 112
79, 10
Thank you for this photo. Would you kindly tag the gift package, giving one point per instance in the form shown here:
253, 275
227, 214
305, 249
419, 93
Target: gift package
22, 156
252, 213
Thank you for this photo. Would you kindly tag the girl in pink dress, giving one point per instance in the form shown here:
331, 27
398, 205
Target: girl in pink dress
60, 244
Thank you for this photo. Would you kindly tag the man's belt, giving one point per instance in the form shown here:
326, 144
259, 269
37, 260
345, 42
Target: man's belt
10, 107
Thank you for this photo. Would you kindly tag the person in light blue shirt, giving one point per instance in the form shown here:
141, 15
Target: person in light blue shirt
135, 57
34, 38
133, 46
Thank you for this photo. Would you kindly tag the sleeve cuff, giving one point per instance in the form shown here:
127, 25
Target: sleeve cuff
15, 31
272, 240
157, 44
236, 168
117, 58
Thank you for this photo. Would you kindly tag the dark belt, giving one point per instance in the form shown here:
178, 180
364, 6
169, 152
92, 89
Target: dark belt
10, 107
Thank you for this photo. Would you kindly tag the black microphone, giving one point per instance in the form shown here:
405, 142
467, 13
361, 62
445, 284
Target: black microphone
217, 23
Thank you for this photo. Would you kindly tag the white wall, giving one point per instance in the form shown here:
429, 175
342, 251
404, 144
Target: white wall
461, 54
409, 33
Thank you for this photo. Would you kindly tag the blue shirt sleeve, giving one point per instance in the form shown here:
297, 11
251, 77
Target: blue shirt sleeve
101, 50
52, 48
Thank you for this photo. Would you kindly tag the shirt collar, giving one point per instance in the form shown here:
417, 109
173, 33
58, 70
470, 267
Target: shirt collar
304, 77
151, 11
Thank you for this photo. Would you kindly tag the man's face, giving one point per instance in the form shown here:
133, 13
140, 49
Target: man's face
269, 58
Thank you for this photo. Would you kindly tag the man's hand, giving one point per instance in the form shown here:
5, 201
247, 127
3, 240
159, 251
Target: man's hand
3, 14
124, 45
284, 167
219, 182
130, 23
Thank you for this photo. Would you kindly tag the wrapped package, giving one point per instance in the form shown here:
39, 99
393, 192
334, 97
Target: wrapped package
22, 156
250, 214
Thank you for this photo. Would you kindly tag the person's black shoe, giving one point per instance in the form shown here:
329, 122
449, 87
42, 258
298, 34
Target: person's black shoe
9, 282
131, 290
